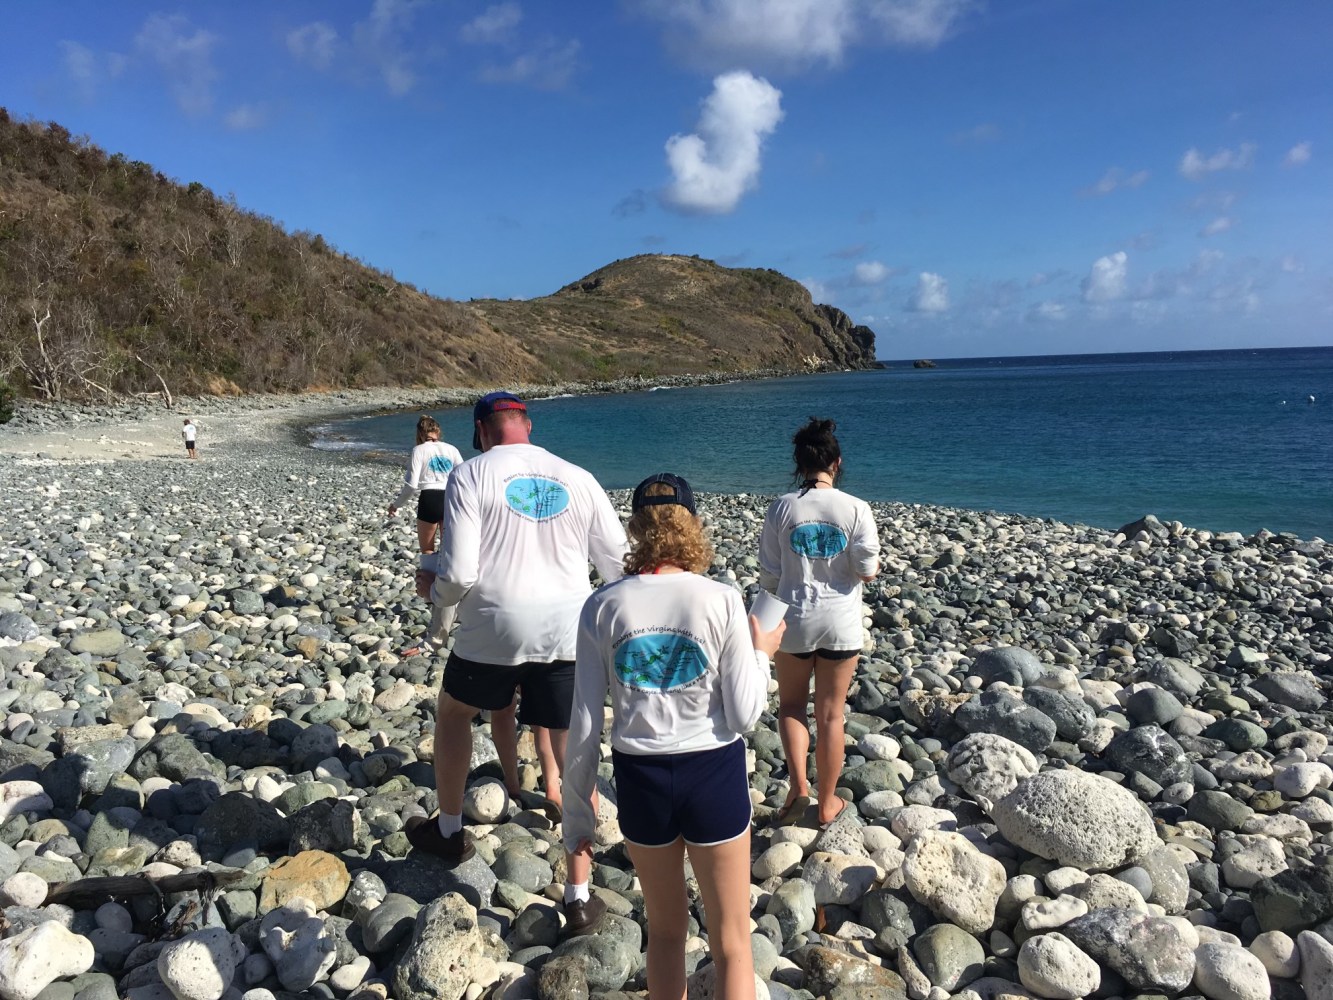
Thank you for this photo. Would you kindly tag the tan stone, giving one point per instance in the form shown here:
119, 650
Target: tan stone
314, 875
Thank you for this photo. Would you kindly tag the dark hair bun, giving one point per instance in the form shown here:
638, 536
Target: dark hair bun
816, 448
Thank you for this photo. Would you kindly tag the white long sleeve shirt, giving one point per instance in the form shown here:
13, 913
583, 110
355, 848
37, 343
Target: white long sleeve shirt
813, 553
429, 469
674, 651
520, 527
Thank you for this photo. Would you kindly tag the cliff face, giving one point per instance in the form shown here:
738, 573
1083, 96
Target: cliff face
115, 279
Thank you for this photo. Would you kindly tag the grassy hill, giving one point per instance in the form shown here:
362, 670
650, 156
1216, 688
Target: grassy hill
116, 280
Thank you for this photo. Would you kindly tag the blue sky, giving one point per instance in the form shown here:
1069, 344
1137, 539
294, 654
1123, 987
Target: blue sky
967, 177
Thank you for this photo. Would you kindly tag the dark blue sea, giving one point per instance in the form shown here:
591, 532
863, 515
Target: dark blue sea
1224, 440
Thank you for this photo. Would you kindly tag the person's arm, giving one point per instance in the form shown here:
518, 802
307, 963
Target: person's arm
743, 667
411, 480
607, 543
583, 749
457, 562
770, 551
865, 544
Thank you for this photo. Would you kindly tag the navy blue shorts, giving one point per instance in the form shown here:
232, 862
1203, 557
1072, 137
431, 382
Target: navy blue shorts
703, 796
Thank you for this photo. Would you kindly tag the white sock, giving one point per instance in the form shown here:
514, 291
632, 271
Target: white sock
576, 891
450, 823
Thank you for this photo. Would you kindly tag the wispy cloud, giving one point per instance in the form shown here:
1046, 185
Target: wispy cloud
245, 117
931, 295
1047, 312
1115, 179
382, 40
1195, 166
314, 44
850, 252
88, 71
493, 25
184, 55
549, 65
1218, 226
792, 35
1106, 281
1297, 156
713, 167
978, 135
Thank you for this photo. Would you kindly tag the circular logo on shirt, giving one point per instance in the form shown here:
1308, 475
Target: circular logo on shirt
818, 541
440, 465
660, 661
537, 498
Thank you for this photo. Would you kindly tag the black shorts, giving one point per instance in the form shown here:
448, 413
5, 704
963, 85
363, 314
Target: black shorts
703, 796
547, 688
189, 446
828, 654
430, 506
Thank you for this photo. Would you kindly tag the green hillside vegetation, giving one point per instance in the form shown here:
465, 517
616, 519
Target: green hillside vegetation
116, 280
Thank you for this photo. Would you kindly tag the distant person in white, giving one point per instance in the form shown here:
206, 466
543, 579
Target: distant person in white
189, 432
818, 546
687, 673
427, 475
521, 527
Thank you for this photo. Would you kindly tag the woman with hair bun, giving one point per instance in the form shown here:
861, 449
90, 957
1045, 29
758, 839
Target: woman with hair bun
687, 673
818, 546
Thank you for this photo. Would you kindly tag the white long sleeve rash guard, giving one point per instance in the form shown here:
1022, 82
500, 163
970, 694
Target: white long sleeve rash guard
813, 552
675, 653
429, 469
520, 527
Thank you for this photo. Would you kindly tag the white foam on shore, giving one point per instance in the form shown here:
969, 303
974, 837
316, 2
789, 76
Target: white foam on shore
323, 438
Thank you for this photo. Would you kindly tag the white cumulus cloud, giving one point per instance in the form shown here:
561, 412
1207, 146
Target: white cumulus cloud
713, 167
799, 34
1195, 166
1297, 156
1106, 281
314, 44
871, 272
185, 57
931, 295
1047, 312
1218, 226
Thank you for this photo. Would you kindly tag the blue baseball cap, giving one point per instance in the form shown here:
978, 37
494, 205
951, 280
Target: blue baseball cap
680, 494
493, 402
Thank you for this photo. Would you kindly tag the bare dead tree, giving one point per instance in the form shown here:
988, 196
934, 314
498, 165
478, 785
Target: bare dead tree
166, 392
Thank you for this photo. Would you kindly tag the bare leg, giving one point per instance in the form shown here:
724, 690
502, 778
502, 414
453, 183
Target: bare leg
552, 742
453, 751
661, 873
794, 719
504, 734
723, 871
832, 679
426, 535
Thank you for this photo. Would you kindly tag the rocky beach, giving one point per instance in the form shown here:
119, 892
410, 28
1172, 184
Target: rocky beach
1083, 763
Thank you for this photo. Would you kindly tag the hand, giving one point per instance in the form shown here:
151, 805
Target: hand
766, 642
425, 580
392, 510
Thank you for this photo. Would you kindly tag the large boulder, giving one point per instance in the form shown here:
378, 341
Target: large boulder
1077, 819
1151, 752
447, 951
988, 766
1149, 953
955, 881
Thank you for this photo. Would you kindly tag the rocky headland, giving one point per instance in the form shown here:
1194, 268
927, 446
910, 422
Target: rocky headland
1082, 763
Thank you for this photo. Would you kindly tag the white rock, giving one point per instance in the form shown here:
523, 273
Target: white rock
1262, 859
1060, 880
838, 878
32, 960
989, 767
1316, 965
1277, 952
1047, 914
23, 889
22, 796
954, 880
879, 838
877, 746
1052, 966
1229, 972
486, 802
351, 975
1299, 780
781, 860
911, 820
804, 836
201, 965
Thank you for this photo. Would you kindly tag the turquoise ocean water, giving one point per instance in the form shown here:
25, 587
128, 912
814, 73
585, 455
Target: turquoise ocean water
1224, 440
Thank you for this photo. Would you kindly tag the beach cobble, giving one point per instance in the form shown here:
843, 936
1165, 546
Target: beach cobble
1077, 760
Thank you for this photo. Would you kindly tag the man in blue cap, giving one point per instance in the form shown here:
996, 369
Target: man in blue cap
521, 528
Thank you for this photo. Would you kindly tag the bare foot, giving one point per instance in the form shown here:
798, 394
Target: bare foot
826, 817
